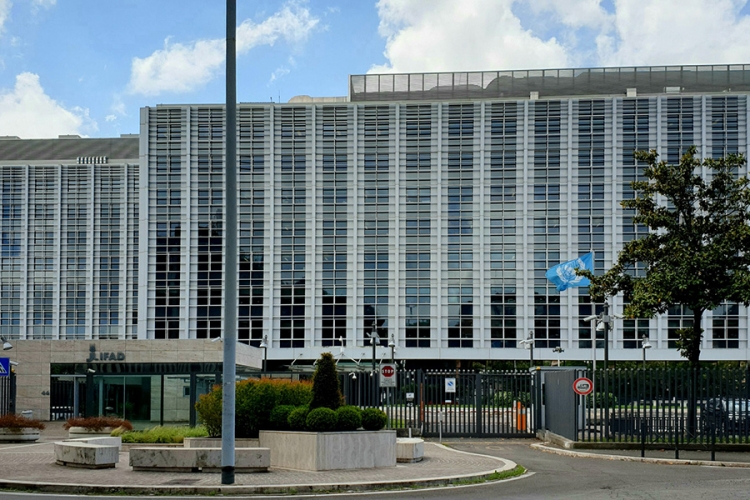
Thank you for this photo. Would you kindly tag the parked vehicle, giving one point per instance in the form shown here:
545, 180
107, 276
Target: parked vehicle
727, 416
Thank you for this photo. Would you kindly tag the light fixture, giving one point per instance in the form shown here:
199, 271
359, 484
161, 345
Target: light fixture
263, 343
353, 376
217, 339
645, 344
7, 346
90, 370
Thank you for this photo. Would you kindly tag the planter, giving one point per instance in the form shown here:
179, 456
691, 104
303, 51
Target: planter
10, 435
82, 432
207, 442
330, 450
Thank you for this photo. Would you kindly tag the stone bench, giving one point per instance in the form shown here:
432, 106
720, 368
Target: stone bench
88, 453
409, 450
197, 459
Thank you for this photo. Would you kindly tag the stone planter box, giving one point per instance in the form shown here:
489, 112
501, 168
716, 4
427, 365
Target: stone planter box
84, 432
208, 442
330, 450
8, 435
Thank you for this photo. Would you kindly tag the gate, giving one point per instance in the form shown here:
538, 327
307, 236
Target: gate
450, 403
560, 403
8, 394
67, 396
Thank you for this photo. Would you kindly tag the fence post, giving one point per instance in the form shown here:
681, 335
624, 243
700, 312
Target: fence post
478, 405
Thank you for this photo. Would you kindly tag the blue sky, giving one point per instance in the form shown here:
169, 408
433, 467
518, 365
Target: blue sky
87, 66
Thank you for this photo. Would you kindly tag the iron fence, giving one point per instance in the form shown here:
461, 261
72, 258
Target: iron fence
449, 403
8, 394
666, 406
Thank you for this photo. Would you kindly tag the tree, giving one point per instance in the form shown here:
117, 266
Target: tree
326, 387
697, 252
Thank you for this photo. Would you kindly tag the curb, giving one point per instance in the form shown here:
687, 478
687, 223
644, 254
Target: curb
283, 489
624, 458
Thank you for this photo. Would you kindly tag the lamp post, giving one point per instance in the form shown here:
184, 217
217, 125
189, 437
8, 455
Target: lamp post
374, 339
529, 341
392, 345
264, 346
558, 350
645, 344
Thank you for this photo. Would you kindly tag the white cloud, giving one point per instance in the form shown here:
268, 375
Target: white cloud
44, 3
278, 73
186, 67
26, 111
110, 118
5, 6
446, 35
649, 32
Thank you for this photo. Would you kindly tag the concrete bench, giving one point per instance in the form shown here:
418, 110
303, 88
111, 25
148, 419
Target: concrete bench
197, 459
409, 450
88, 453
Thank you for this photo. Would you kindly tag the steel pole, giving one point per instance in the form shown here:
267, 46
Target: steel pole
605, 320
230, 268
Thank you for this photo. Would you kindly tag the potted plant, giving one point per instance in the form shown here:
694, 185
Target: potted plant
86, 426
14, 428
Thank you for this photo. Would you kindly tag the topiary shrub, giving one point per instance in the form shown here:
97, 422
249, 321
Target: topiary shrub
326, 388
297, 418
13, 421
280, 417
348, 418
321, 420
373, 419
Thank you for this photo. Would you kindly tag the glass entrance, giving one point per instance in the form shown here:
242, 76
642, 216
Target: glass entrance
126, 397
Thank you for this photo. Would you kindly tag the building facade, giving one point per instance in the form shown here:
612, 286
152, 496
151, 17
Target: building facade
426, 207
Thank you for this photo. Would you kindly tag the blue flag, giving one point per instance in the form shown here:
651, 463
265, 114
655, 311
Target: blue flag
564, 276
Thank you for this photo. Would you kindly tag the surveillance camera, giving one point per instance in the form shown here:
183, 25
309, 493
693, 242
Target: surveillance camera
590, 318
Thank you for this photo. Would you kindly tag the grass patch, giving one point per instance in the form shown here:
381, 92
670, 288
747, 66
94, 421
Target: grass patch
165, 434
518, 470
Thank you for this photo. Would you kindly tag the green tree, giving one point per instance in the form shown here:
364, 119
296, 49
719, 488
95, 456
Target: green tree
697, 251
326, 387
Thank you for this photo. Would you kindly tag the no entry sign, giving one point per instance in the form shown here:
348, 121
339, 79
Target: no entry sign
583, 386
388, 375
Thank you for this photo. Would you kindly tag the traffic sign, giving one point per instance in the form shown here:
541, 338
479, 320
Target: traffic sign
4, 367
388, 375
583, 386
450, 385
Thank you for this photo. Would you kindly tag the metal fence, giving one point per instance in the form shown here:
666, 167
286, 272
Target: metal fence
450, 403
674, 407
8, 394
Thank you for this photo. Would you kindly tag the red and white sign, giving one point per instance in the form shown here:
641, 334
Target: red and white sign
388, 375
583, 386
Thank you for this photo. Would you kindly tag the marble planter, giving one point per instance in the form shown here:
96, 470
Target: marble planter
17, 435
84, 432
330, 450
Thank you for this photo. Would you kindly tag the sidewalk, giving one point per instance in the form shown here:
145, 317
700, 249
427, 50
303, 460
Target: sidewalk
32, 467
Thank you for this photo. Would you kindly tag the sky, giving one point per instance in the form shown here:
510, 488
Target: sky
86, 67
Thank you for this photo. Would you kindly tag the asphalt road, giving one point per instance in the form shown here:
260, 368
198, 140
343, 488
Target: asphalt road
558, 477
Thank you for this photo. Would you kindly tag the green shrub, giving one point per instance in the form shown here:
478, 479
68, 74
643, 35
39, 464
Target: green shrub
321, 420
610, 398
165, 434
254, 401
326, 390
348, 418
208, 408
298, 417
506, 399
280, 417
373, 419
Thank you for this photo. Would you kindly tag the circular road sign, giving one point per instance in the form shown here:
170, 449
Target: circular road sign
388, 371
583, 386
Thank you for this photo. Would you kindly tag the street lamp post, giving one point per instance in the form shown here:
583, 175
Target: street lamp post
264, 346
392, 345
558, 350
374, 339
645, 344
529, 341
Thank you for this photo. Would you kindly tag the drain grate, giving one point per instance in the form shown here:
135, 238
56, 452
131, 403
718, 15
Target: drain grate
182, 481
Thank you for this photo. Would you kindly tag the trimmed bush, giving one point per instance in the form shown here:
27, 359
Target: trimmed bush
161, 434
321, 420
13, 421
298, 418
326, 388
254, 401
97, 423
280, 417
348, 418
208, 408
373, 419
